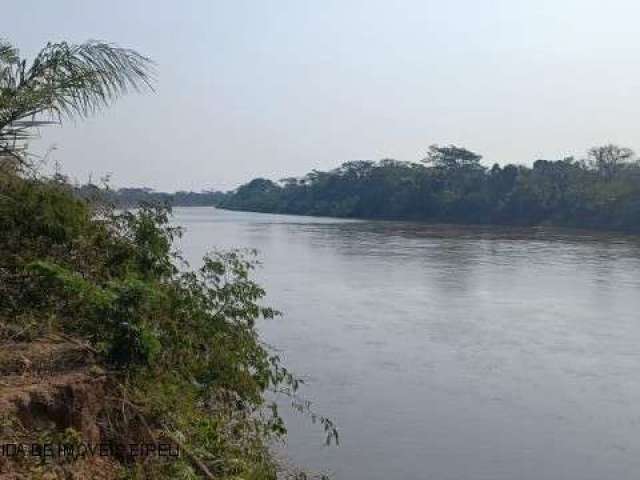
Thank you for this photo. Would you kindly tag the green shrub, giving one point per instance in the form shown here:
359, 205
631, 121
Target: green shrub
182, 344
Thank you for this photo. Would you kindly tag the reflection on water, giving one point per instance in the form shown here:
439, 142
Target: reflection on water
451, 352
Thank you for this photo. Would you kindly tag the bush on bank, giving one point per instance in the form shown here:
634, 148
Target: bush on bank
181, 343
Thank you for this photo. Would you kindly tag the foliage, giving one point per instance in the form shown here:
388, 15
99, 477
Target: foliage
182, 343
134, 197
63, 80
451, 185
184, 357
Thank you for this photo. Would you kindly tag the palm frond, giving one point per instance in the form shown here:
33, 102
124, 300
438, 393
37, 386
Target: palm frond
8, 53
8, 59
64, 81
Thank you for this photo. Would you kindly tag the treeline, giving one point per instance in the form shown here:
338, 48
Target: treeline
134, 197
451, 185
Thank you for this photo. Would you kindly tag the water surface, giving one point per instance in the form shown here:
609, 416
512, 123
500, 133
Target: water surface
450, 352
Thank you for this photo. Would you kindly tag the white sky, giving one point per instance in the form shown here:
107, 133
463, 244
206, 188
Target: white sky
277, 88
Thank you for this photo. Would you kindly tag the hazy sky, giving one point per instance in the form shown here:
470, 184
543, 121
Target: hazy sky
277, 88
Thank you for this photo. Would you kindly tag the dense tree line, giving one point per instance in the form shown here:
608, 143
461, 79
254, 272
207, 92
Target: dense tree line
134, 197
451, 185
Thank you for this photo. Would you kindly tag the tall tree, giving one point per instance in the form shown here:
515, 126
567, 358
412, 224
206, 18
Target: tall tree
451, 157
607, 159
63, 81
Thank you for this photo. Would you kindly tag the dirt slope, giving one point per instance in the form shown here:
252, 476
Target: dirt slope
46, 389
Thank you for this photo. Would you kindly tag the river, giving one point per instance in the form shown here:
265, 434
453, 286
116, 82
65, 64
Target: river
446, 352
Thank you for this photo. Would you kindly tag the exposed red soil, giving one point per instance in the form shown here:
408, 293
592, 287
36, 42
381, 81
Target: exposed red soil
48, 387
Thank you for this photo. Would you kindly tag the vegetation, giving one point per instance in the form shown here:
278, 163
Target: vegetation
451, 185
64, 80
134, 197
181, 345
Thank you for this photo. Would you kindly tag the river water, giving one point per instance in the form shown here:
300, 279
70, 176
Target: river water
450, 352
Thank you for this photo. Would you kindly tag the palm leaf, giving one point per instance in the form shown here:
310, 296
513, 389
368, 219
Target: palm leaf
64, 81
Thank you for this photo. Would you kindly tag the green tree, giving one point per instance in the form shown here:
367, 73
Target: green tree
63, 80
607, 159
452, 157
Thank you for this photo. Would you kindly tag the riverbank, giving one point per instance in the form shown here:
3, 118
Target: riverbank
149, 354
452, 186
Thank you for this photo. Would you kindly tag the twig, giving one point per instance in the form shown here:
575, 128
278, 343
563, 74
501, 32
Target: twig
194, 458
73, 340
